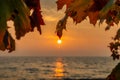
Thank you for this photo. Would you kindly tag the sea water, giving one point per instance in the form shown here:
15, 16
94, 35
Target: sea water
48, 68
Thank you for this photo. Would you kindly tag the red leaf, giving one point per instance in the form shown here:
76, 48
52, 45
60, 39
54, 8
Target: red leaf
61, 3
36, 17
93, 16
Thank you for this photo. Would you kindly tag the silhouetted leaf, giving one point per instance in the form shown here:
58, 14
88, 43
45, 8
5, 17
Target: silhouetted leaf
93, 19
117, 36
61, 3
19, 12
107, 27
61, 25
8, 42
36, 17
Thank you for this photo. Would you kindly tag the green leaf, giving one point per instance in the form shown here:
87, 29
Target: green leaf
21, 20
17, 11
4, 15
106, 8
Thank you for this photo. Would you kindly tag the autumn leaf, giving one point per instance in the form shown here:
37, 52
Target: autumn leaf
107, 27
61, 25
95, 10
93, 19
5, 14
7, 43
61, 3
21, 19
117, 36
114, 46
36, 17
78, 10
19, 12
106, 8
111, 13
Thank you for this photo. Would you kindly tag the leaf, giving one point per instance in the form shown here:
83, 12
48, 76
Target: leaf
102, 10
114, 46
5, 14
36, 17
20, 16
117, 36
101, 4
21, 19
36, 21
61, 25
8, 42
78, 10
107, 27
111, 13
61, 3
93, 16
19, 12
106, 8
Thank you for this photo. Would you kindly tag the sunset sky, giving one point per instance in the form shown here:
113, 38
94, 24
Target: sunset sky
82, 39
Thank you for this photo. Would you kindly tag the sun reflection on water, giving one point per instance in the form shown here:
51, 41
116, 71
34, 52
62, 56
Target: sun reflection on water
59, 69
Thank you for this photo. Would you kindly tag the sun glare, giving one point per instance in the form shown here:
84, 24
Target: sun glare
59, 41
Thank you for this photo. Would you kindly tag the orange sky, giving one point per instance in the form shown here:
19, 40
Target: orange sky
79, 40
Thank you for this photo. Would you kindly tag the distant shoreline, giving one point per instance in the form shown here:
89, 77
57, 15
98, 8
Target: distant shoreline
75, 79
82, 79
78, 79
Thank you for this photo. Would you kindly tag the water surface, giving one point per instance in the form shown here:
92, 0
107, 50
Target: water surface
39, 68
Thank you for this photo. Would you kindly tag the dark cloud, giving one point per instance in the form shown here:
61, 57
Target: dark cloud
49, 4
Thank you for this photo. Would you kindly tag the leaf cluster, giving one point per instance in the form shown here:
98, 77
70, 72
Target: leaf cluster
19, 12
96, 10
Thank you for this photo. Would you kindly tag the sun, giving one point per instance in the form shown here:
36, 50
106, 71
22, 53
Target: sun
59, 41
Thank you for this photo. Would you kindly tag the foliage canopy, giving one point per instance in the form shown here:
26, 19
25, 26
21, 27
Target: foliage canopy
19, 11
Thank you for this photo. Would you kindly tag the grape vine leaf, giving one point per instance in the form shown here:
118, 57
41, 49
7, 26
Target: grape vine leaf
78, 10
19, 12
61, 3
36, 17
95, 10
61, 25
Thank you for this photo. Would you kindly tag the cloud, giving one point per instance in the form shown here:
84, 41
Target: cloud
50, 18
49, 10
49, 4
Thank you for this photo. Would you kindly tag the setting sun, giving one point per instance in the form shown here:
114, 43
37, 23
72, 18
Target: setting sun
59, 41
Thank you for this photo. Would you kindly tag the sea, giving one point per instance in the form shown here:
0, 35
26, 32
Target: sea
55, 68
